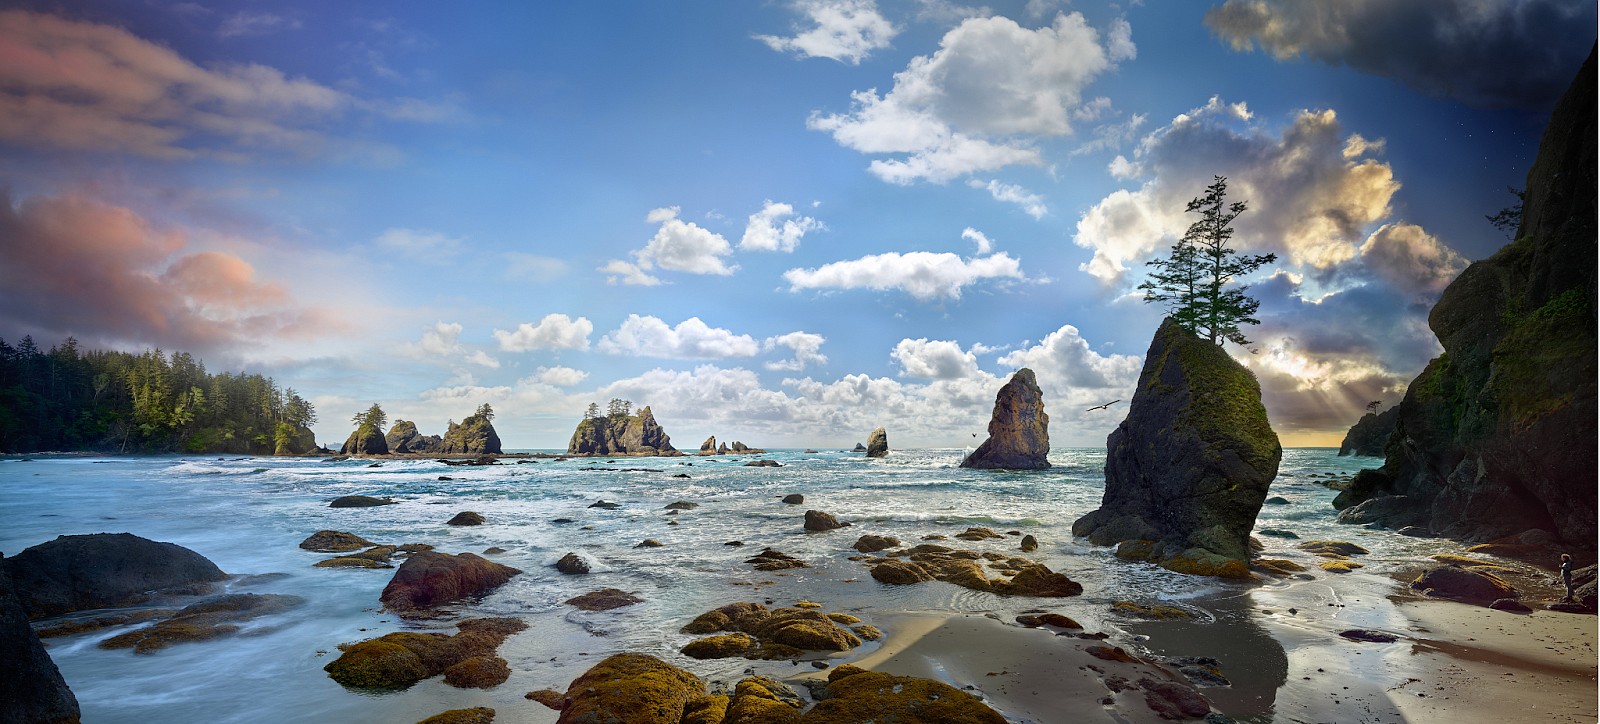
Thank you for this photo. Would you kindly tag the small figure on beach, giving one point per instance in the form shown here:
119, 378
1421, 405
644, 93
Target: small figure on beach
1566, 576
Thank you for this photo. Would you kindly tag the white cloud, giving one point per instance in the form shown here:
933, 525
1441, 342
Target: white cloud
1451, 48
977, 237
559, 376
976, 102
771, 229
924, 275
1064, 357
1311, 199
617, 270
248, 23
677, 245
416, 240
479, 357
1031, 203
1112, 136
844, 30
441, 339
807, 349
554, 331
690, 339
934, 360
1411, 260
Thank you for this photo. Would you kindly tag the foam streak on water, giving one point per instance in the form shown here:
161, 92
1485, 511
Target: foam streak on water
248, 515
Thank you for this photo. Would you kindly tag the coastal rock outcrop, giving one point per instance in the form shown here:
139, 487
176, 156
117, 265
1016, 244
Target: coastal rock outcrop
1019, 429
709, 447
878, 444
473, 436
621, 435
104, 570
404, 438
428, 579
290, 439
1367, 437
365, 440
859, 448
634, 688
1497, 435
1189, 468
31, 687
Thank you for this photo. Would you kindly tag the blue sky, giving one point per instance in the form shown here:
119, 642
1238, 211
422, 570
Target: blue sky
786, 223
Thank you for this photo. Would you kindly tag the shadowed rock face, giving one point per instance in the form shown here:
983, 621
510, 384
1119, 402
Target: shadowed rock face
1497, 435
633, 435
1189, 468
1368, 436
103, 570
878, 444
31, 688
1019, 430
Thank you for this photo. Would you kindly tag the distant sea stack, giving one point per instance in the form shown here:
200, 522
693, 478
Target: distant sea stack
1496, 437
366, 440
1019, 429
404, 438
474, 436
878, 444
1368, 436
621, 435
1188, 469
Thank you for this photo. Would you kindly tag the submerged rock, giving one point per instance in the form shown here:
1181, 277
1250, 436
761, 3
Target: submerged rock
429, 579
774, 560
31, 687
359, 501
604, 599
1019, 429
1189, 468
794, 499
104, 570
333, 541
202, 621
856, 695
573, 564
466, 517
877, 444
475, 715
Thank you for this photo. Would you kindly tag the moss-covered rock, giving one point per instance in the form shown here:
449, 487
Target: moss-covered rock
400, 659
1335, 549
720, 647
1153, 612
475, 715
604, 599
874, 543
478, 672
473, 436
632, 688
711, 709
1340, 566
1019, 429
1464, 583
631, 435
763, 700
333, 541
858, 696
1190, 466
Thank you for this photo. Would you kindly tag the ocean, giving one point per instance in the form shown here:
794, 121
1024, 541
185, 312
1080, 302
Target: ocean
248, 515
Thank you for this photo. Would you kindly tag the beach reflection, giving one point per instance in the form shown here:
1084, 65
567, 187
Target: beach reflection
1249, 656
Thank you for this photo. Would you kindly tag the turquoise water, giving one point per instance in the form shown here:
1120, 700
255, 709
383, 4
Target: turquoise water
249, 515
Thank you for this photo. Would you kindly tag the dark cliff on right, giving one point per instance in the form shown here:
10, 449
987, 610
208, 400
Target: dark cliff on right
1497, 436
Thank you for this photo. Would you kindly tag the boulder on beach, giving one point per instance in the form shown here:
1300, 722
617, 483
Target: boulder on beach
1465, 584
1019, 429
398, 660
858, 695
877, 444
359, 501
428, 579
932, 562
632, 688
1190, 466
333, 541
474, 715
779, 632
818, 521
621, 435
104, 570
31, 687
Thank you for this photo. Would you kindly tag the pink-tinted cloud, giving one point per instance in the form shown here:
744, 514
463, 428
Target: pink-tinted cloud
85, 86
70, 265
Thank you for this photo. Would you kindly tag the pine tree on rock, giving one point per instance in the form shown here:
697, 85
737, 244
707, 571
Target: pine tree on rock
1194, 281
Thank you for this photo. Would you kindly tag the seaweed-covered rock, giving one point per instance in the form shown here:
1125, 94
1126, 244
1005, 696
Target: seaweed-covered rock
875, 543
103, 570
1019, 429
429, 579
31, 687
1190, 466
877, 444
721, 646
632, 688
475, 715
763, 700
334, 541
473, 436
857, 696
931, 562
604, 599
209, 619
398, 660
818, 521
631, 435
1367, 437
777, 633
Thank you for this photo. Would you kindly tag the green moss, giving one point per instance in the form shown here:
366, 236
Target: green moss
872, 696
377, 665
1228, 393
1547, 358
475, 715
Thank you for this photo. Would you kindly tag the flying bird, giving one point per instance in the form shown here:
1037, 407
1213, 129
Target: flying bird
1102, 407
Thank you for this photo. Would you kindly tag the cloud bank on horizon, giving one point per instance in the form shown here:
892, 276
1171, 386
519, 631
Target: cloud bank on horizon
786, 223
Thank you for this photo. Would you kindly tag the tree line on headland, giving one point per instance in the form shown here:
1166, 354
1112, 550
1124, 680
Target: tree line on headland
69, 398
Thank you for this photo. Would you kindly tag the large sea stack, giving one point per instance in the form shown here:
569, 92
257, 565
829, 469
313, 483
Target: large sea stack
366, 440
1496, 437
31, 687
1019, 430
621, 435
878, 444
1189, 468
475, 436
404, 438
1368, 436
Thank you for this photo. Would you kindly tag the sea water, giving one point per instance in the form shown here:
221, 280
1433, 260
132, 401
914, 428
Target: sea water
248, 515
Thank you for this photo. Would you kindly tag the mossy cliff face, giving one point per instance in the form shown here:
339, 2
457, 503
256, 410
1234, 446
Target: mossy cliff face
475, 435
632, 435
366, 440
1019, 430
1190, 466
1497, 435
290, 440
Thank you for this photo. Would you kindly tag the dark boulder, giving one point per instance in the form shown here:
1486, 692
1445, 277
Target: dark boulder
1389, 511
1464, 584
428, 579
359, 501
877, 444
875, 543
1019, 429
466, 517
31, 687
794, 499
1190, 466
103, 570
573, 564
333, 541
818, 521
859, 448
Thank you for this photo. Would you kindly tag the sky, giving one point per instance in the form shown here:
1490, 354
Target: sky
785, 223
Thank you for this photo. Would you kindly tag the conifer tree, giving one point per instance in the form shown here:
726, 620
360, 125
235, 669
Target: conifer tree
1195, 280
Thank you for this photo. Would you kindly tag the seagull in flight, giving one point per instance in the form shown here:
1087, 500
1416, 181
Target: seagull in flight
1102, 407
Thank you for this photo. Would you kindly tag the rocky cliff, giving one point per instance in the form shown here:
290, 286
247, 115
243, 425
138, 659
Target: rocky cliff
475, 435
403, 437
1188, 469
1019, 429
632, 435
1369, 435
1497, 435
366, 440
